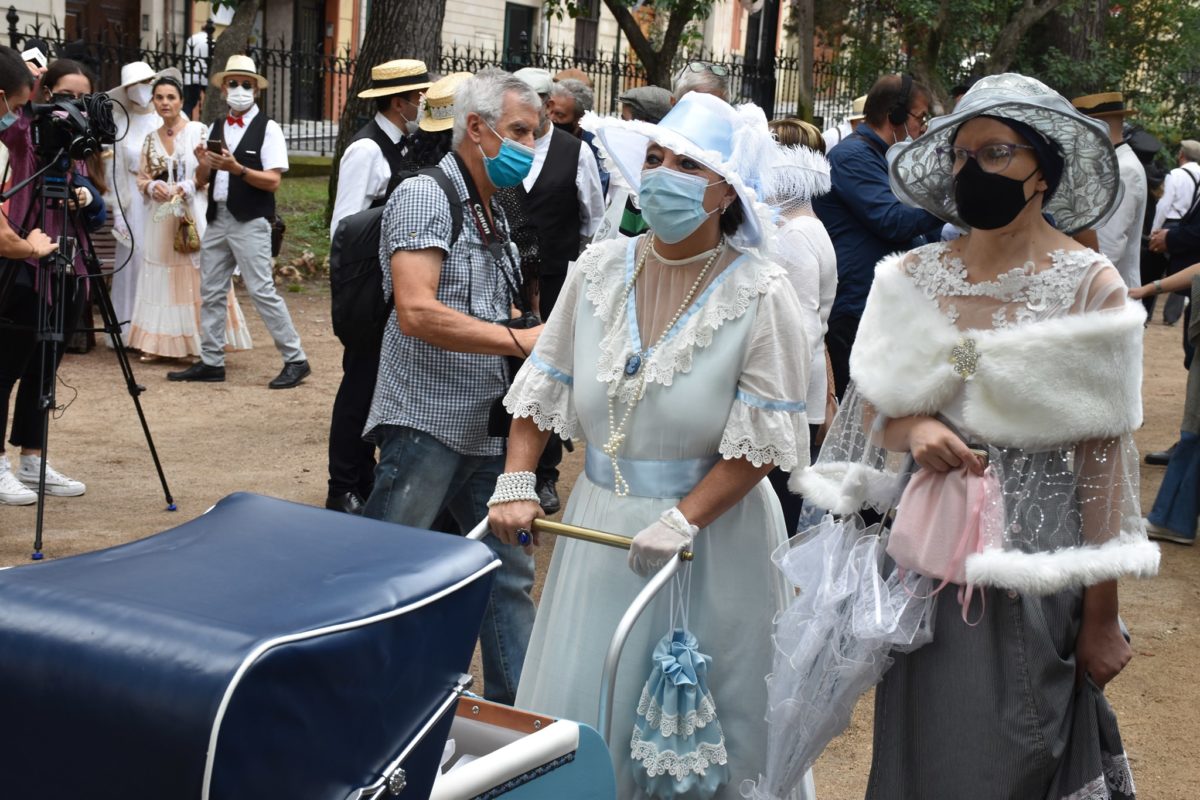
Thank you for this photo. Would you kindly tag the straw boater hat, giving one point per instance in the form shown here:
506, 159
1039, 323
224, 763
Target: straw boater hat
857, 109
240, 65
1089, 188
1105, 104
437, 105
394, 77
733, 142
137, 72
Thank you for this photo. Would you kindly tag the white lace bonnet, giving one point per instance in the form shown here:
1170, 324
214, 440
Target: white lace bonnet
733, 142
1090, 187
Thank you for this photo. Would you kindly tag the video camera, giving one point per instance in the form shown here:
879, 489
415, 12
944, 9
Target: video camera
76, 127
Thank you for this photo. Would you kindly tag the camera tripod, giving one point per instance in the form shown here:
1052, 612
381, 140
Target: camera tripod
54, 193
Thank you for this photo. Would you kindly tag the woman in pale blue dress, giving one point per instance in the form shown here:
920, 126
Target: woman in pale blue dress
675, 356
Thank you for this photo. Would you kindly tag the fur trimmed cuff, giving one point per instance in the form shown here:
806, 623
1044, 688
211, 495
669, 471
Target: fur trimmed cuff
1071, 567
843, 487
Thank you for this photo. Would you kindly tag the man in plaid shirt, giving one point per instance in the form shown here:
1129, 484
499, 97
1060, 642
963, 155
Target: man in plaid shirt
442, 366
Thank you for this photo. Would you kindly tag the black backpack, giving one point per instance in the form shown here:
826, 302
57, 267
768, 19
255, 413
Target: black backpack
360, 311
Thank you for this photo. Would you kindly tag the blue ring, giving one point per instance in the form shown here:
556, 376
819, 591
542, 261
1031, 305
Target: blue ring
523, 536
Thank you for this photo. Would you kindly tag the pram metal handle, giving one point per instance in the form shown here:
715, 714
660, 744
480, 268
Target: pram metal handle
608, 681
394, 779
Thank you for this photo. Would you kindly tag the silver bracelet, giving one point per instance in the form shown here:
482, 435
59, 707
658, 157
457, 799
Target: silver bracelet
514, 486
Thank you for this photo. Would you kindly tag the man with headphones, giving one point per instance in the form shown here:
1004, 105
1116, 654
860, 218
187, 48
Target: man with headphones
865, 220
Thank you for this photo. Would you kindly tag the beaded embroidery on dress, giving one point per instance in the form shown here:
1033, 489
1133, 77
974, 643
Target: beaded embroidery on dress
1024, 293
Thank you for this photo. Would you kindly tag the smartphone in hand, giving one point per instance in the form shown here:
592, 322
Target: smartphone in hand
215, 145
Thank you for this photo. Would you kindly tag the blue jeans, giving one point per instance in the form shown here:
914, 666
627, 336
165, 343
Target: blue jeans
418, 476
1178, 502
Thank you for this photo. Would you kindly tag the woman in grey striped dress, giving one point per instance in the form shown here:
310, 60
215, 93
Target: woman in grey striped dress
1017, 341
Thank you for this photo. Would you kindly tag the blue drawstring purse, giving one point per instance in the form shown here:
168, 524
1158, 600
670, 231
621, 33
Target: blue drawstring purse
678, 749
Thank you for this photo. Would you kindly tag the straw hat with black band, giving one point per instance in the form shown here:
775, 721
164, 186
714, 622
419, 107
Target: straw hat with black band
396, 77
1104, 104
437, 104
239, 65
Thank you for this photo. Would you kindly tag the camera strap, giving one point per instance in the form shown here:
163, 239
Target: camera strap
496, 245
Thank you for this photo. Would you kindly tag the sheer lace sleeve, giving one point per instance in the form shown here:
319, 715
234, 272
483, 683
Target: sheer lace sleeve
542, 388
768, 423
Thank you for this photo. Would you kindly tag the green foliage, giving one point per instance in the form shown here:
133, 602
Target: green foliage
1147, 48
301, 203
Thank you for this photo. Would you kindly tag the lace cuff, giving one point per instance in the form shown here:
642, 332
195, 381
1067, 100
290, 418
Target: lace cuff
543, 394
766, 432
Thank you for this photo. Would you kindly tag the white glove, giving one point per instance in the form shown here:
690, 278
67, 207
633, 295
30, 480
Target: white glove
120, 230
653, 547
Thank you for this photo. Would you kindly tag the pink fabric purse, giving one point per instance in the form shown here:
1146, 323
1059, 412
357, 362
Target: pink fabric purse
942, 518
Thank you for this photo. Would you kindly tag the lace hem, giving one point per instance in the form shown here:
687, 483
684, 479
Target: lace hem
766, 435
678, 765
537, 396
1115, 780
732, 297
674, 724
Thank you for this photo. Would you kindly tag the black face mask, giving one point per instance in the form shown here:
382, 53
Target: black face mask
567, 127
987, 201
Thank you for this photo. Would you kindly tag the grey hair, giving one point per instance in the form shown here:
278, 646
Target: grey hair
483, 94
577, 90
689, 80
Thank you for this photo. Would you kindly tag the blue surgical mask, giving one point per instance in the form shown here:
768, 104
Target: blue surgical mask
509, 166
9, 119
673, 203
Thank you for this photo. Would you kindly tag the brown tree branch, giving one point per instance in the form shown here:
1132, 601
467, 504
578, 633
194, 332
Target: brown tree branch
637, 40
1030, 13
233, 41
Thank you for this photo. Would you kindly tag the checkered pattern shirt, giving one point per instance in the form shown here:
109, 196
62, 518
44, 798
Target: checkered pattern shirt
443, 393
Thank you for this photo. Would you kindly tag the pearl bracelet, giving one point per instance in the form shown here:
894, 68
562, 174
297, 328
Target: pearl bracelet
514, 486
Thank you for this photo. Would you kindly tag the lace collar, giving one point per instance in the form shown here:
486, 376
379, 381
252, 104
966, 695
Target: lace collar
1024, 292
608, 267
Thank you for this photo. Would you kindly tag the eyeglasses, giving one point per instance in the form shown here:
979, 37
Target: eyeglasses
234, 83
990, 158
923, 118
719, 70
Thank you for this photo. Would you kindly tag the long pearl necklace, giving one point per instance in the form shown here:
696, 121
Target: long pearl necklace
633, 364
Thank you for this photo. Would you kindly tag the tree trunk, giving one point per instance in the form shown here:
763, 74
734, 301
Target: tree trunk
1074, 31
233, 41
395, 29
804, 14
1019, 24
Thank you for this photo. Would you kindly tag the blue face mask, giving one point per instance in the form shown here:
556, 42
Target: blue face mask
673, 203
9, 119
509, 166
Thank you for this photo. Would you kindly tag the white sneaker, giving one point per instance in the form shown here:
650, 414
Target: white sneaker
12, 491
57, 484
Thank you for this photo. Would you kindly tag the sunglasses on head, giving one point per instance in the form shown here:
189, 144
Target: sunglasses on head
716, 69
234, 83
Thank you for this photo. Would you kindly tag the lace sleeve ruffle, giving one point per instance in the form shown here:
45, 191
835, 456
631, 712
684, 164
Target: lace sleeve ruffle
543, 394
768, 423
542, 388
766, 432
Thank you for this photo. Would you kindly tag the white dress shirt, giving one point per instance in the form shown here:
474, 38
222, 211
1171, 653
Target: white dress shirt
587, 182
1179, 190
836, 134
1121, 237
363, 174
274, 150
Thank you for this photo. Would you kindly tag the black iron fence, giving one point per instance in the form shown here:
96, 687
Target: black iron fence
308, 89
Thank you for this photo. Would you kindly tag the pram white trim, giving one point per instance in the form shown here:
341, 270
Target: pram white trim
258, 652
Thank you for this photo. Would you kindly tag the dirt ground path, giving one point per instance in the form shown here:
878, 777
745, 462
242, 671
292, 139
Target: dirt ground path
215, 439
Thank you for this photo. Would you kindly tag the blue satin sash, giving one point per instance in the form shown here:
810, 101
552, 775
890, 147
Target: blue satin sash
648, 477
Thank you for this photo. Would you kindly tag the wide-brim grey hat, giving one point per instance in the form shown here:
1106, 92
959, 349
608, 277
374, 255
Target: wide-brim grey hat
1090, 187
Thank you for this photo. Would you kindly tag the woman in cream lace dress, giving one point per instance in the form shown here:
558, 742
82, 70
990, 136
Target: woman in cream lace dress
166, 312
